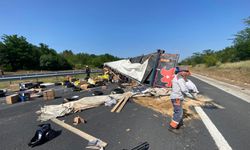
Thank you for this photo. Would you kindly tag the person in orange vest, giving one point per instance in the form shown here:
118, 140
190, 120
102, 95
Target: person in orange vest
179, 90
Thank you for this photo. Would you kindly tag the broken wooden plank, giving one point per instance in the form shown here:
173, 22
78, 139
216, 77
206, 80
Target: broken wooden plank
118, 104
127, 96
78, 132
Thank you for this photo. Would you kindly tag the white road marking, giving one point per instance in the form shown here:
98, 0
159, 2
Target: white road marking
217, 105
229, 88
215, 133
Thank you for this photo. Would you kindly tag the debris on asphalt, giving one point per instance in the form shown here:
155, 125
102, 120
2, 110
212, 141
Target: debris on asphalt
84, 86
91, 81
164, 106
47, 84
96, 93
11, 99
95, 144
142, 80
122, 101
3, 92
43, 134
24, 96
93, 140
53, 111
73, 98
49, 94
143, 146
155, 115
27, 85
78, 120
117, 91
110, 102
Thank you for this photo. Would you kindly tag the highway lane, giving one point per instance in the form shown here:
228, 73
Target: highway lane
234, 121
18, 123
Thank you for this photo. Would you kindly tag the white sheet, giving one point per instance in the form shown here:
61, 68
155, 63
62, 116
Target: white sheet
125, 67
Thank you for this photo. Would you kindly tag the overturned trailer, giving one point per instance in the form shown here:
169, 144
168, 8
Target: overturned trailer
155, 69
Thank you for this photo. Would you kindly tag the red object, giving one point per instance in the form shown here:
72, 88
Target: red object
168, 76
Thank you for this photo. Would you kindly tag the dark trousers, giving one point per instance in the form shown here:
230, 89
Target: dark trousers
178, 112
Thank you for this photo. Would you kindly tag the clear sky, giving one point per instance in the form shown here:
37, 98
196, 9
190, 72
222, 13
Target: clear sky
125, 28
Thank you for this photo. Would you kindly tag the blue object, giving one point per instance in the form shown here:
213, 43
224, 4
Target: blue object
177, 70
24, 96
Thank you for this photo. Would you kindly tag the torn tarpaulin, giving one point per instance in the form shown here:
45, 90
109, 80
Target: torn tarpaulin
53, 111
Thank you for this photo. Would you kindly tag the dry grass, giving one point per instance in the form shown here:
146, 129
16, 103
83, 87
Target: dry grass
243, 65
164, 106
237, 73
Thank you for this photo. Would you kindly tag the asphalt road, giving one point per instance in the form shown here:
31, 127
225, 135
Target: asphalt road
234, 121
134, 125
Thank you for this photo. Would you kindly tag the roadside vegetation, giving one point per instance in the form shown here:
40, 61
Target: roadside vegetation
16, 53
236, 73
239, 51
231, 64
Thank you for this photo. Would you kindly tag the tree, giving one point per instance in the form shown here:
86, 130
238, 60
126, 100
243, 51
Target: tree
53, 62
243, 35
16, 53
242, 42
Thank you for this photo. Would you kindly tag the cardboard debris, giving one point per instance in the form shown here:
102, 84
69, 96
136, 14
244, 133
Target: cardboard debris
49, 94
78, 120
33, 96
35, 92
12, 99
91, 81
84, 86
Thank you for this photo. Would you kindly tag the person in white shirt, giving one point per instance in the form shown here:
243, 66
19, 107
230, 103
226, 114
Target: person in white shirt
179, 90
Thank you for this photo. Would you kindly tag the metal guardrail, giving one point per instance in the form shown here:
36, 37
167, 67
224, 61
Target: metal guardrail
43, 75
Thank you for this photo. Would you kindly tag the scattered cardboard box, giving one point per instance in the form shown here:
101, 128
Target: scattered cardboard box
11, 99
84, 86
78, 120
49, 94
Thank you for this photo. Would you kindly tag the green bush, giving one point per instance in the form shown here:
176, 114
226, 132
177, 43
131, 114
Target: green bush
210, 60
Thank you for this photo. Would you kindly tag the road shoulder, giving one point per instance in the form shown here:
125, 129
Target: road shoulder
237, 91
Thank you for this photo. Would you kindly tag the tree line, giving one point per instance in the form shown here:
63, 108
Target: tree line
18, 54
240, 50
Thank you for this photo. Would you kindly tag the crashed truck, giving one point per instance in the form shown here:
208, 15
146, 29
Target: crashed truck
155, 69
